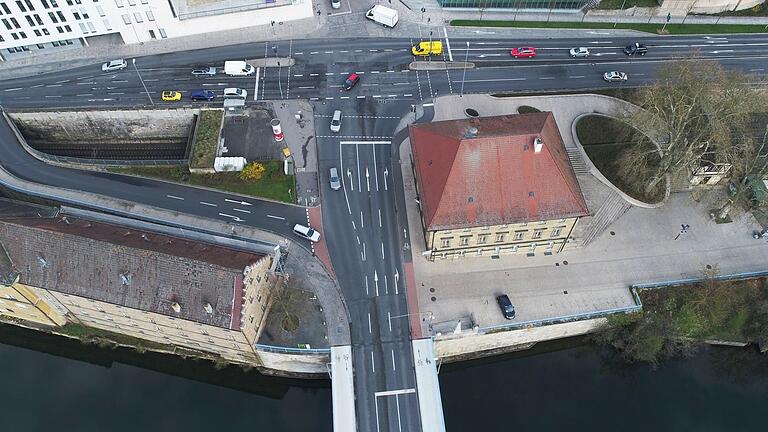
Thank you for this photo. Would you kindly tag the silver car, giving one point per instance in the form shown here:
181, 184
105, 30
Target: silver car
615, 76
234, 92
306, 232
114, 65
335, 180
579, 52
209, 71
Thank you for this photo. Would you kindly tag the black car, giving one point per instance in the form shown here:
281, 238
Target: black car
506, 306
635, 48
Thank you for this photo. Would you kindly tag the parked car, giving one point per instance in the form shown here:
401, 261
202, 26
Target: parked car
171, 95
202, 95
306, 232
233, 92
336, 121
523, 52
635, 48
335, 180
426, 49
579, 52
209, 71
615, 76
506, 306
114, 65
351, 81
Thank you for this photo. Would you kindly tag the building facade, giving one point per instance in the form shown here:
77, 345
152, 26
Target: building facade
169, 291
495, 185
39, 26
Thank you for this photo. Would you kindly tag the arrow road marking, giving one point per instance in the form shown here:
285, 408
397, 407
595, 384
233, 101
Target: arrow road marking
237, 202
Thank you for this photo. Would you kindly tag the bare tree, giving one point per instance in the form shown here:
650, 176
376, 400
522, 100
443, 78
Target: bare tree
694, 110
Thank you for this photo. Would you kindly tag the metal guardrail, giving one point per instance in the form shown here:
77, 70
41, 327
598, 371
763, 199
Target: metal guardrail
110, 162
287, 350
563, 319
629, 309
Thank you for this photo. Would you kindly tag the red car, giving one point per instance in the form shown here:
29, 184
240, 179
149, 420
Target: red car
524, 52
351, 80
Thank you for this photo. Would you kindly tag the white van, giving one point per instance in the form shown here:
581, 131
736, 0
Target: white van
238, 68
233, 92
383, 15
336, 121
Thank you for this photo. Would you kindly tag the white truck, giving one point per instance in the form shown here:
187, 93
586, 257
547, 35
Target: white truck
382, 15
238, 68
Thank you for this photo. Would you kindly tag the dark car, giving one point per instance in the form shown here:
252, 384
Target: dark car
506, 306
635, 48
351, 81
202, 95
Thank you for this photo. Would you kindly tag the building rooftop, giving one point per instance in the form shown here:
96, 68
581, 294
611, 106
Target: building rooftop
490, 171
123, 266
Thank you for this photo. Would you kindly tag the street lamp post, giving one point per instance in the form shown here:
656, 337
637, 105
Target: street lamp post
464, 75
133, 60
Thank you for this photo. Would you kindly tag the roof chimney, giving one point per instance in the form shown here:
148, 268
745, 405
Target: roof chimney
538, 143
176, 307
471, 132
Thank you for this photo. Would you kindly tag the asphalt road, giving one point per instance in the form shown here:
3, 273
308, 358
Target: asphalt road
362, 226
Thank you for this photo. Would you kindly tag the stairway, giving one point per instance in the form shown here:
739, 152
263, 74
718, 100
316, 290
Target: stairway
574, 155
610, 211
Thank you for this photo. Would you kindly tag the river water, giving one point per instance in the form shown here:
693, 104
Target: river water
565, 385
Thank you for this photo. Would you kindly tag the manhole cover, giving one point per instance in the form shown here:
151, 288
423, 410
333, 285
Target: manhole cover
434, 299
471, 112
431, 290
565, 262
613, 233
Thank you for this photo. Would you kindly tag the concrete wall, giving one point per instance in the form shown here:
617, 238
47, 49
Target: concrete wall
471, 345
295, 364
90, 126
707, 6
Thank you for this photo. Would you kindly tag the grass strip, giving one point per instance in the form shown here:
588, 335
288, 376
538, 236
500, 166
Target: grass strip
273, 185
648, 28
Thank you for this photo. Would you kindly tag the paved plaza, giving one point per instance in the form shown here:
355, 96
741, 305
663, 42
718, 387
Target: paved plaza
643, 245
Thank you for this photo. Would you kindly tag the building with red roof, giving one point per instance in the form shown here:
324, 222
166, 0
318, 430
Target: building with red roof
495, 185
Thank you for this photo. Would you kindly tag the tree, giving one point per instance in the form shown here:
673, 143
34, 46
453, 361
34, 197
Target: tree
694, 111
253, 171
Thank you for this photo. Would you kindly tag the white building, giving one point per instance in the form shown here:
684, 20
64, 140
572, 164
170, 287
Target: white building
27, 26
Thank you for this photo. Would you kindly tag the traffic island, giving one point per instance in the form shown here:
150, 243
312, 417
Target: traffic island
439, 65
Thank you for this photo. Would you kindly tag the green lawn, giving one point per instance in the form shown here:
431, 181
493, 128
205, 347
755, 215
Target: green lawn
274, 185
206, 139
648, 28
604, 139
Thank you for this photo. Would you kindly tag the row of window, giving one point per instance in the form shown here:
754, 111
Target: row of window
120, 3
521, 225
502, 237
138, 17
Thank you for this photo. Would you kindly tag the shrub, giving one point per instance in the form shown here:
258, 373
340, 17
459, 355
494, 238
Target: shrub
253, 171
206, 139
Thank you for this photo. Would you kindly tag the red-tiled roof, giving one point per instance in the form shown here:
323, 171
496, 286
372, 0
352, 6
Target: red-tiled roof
484, 171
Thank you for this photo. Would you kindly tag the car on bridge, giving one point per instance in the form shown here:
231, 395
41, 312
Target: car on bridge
580, 52
114, 65
635, 48
202, 95
523, 52
171, 95
306, 232
351, 81
615, 76
506, 306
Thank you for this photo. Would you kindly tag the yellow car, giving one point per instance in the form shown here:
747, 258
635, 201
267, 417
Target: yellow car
426, 49
171, 96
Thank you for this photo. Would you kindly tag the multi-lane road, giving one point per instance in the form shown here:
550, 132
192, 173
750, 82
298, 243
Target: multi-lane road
363, 224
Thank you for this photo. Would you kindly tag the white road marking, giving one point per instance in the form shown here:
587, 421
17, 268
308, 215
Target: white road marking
175, 197
362, 254
298, 53
208, 204
84, 94
370, 330
408, 95
386, 283
393, 360
313, 74
366, 285
53, 85
576, 76
241, 210
373, 370
362, 224
256, 86
344, 97
379, 218
275, 217
448, 44
307, 87
314, 52
237, 202
361, 97
298, 75
389, 320
382, 256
